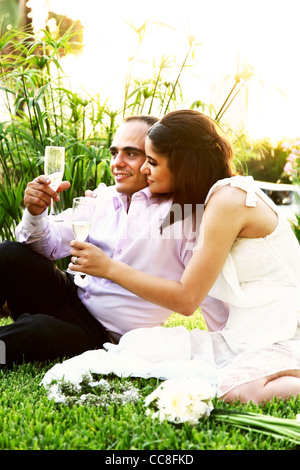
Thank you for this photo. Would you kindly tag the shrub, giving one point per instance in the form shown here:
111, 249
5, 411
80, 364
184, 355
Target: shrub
292, 171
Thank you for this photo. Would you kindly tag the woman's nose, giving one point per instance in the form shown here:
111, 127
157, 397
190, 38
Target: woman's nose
144, 168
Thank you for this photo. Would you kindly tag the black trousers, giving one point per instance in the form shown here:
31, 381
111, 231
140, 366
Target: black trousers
49, 319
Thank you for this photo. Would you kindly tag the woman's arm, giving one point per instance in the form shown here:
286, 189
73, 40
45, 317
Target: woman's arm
222, 221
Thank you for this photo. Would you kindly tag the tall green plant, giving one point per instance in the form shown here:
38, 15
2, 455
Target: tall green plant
41, 110
140, 32
163, 91
190, 52
240, 80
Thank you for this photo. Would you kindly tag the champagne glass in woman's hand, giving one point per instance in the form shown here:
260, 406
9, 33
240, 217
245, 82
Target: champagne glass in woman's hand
81, 221
54, 167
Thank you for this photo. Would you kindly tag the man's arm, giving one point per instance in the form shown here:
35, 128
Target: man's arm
35, 229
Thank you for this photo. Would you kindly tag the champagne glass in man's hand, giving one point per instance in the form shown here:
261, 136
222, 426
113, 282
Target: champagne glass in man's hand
54, 167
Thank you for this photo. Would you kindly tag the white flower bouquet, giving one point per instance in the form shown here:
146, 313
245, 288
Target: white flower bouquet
181, 401
190, 400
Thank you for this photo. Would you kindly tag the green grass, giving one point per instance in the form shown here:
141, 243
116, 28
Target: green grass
30, 421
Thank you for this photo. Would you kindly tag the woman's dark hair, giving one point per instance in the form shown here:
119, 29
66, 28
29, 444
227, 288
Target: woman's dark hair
197, 154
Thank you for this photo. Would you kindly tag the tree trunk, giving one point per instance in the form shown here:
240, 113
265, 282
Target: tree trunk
25, 21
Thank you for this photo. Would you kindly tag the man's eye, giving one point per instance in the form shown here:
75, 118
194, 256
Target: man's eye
132, 154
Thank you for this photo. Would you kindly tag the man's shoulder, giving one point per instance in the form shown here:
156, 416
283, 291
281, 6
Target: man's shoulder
103, 190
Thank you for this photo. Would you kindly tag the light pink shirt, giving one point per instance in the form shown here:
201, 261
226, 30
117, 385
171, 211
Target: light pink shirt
132, 237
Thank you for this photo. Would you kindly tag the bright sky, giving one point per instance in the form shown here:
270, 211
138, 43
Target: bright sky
262, 33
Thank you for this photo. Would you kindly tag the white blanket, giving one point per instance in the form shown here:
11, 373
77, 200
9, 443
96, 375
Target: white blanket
159, 352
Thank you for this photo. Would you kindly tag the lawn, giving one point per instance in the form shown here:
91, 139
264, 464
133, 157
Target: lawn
30, 421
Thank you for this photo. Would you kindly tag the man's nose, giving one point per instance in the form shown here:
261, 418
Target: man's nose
119, 159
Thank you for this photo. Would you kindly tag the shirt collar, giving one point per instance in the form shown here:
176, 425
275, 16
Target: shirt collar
120, 199
152, 198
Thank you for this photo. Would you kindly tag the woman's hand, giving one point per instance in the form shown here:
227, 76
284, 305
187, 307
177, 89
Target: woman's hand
94, 194
89, 259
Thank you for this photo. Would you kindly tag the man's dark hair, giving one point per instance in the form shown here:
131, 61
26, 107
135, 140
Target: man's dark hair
150, 120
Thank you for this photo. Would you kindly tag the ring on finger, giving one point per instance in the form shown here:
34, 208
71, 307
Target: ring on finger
75, 260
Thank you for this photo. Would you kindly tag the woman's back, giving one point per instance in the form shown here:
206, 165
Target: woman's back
260, 281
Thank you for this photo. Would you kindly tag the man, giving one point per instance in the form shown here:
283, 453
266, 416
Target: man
57, 315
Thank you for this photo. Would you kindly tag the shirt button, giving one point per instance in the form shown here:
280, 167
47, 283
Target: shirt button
119, 251
87, 296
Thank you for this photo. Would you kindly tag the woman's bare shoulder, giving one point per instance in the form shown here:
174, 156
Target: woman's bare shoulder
228, 196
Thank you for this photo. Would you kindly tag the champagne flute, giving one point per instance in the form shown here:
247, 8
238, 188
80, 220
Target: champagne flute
81, 221
54, 166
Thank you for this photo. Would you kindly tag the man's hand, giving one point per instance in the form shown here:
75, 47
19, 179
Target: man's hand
39, 193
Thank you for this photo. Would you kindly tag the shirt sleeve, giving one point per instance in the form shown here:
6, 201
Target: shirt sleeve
215, 313
31, 227
50, 239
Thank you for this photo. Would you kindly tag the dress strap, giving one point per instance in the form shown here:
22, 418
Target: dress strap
247, 184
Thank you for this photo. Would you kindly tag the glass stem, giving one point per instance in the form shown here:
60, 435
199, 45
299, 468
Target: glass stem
52, 212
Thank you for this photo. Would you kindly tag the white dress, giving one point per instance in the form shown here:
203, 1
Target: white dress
260, 281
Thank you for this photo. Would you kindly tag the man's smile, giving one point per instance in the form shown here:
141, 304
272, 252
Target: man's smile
121, 176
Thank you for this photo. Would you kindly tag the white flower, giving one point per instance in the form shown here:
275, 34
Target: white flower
102, 383
298, 417
179, 401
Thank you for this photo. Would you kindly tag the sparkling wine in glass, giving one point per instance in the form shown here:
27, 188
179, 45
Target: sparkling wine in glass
82, 211
81, 229
54, 167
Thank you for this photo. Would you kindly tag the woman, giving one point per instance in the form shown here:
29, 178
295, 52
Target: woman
245, 255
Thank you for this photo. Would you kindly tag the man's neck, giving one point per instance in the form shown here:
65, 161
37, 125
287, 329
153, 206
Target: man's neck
129, 197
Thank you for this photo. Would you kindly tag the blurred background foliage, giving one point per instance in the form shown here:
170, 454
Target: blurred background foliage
41, 109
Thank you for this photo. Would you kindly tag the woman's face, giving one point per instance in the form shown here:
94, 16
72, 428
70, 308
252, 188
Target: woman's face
159, 177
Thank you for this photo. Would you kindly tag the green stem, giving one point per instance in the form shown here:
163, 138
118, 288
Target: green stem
223, 105
155, 88
269, 425
51, 96
29, 111
37, 122
177, 80
229, 104
14, 138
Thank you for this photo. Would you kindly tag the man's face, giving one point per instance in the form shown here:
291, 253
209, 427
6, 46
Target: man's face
128, 155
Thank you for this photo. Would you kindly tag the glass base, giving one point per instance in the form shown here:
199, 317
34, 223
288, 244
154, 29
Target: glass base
54, 218
74, 273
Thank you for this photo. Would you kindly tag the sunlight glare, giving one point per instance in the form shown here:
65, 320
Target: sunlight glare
263, 34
